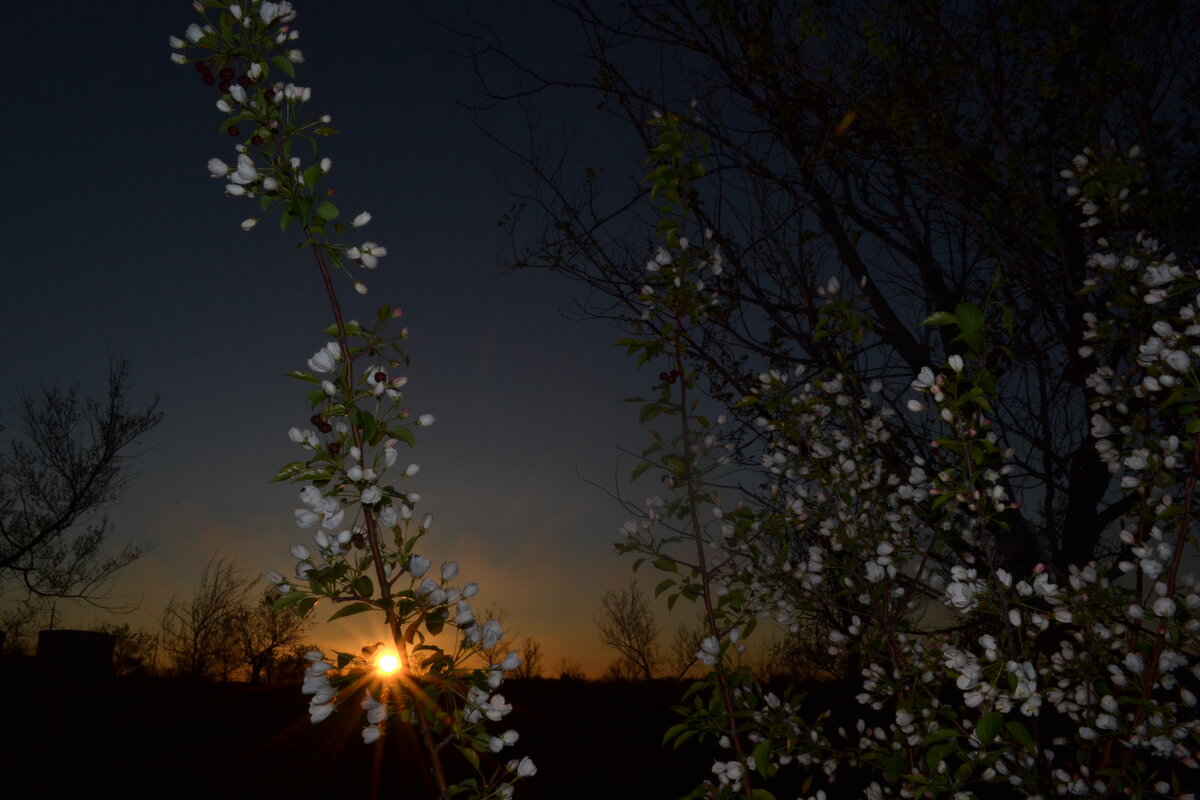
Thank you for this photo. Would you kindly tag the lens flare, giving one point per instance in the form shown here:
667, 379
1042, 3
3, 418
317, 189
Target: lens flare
388, 663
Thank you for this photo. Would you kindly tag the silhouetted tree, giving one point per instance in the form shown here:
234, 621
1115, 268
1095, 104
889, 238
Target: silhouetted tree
199, 633
263, 634
684, 647
133, 649
628, 627
290, 663
531, 659
20, 624
68, 461
569, 669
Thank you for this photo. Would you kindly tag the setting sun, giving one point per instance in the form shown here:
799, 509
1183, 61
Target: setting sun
388, 663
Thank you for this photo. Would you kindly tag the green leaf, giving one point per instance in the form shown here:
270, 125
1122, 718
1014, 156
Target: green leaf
327, 211
289, 599
675, 464
674, 731
989, 726
1021, 734
939, 318
941, 735
649, 412
470, 755
312, 174
762, 757
761, 794
969, 317
663, 586
314, 474
364, 421
353, 608
404, 435
284, 66
290, 471
666, 565
639, 469
363, 586
938, 754
747, 400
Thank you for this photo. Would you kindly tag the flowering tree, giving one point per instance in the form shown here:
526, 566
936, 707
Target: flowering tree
970, 679
364, 554
910, 149
876, 166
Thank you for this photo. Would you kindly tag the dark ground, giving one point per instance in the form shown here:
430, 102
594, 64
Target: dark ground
163, 738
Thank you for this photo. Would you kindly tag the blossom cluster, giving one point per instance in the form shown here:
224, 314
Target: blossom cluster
238, 56
1074, 683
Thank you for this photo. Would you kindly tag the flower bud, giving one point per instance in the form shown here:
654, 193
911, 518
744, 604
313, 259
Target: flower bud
418, 566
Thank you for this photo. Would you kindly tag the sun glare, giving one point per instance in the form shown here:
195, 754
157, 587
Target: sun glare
387, 663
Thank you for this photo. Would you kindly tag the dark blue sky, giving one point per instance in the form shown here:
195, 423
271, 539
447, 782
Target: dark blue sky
120, 246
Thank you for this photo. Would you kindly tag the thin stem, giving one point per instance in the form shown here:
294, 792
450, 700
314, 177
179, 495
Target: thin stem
373, 536
701, 561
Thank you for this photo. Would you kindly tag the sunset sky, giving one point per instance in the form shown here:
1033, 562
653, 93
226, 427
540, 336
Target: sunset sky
121, 246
